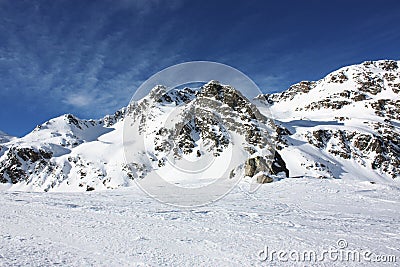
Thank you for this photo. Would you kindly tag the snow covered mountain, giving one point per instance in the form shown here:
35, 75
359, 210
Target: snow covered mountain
211, 123
343, 126
65, 151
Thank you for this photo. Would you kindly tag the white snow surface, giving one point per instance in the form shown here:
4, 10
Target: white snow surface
292, 111
90, 153
124, 227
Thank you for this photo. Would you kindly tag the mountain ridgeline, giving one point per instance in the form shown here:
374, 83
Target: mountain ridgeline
345, 125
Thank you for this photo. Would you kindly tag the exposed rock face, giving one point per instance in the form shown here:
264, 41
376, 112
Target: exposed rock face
350, 118
387, 108
346, 124
210, 116
264, 179
384, 149
43, 159
212, 112
279, 165
255, 165
14, 169
70, 152
259, 164
303, 87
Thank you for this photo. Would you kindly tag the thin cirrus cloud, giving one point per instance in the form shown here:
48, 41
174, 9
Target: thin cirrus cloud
88, 57
85, 64
78, 100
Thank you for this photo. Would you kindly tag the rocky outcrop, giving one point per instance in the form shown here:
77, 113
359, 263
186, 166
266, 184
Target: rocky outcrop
210, 116
352, 115
349, 119
303, 87
19, 163
264, 179
256, 165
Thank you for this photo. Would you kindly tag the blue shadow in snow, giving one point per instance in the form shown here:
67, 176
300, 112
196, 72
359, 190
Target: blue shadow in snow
291, 125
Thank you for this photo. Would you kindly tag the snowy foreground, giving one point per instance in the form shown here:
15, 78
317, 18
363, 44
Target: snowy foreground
126, 227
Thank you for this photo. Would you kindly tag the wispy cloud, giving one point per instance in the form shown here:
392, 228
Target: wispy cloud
78, 100
84, 60
88, 57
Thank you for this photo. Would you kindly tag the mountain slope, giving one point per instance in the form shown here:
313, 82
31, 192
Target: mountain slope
179, 129
66, 152
345, 125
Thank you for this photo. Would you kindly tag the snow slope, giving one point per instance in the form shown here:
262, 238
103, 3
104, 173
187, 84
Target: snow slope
169, 131
345, 125
81, 153
124, 227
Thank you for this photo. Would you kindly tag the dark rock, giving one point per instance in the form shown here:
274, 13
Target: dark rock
264, 179
71, 119
11, 170
259, 164
339, 77
389, 65
255, 165
279, 165
89, 188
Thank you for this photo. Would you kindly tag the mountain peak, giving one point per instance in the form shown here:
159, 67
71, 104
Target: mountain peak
352, 115
342, 126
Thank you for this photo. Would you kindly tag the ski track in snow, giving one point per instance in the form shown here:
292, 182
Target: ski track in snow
125, 227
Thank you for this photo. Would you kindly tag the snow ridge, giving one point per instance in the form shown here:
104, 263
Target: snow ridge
345, 125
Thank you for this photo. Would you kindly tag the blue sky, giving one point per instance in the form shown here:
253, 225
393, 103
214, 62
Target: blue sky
88, 57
